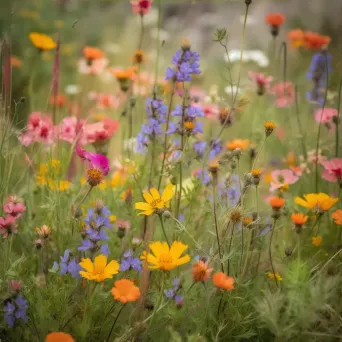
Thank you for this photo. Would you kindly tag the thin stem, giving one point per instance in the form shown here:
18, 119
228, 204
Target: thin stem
320, 121
299, 123
270, 251
163, 229
230, 247
111, 330
141, 31
78, 207
158, 43
338, 119
216, 225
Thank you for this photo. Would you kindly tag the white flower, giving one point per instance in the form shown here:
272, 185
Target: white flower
72, 89
130, 144
256, 56
229, 89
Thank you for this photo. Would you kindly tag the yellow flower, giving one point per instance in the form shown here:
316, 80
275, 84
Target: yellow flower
272, 275
118, 179
112, 218
155, 202
103, 185
99, 270
55, 164
320, 202
42, 41
61, 186
164, 257
317, 240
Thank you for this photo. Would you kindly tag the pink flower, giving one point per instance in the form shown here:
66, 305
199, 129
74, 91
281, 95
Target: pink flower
100, 131
281, 178
39, 129
8, 226
197, 95
14, 285
284, 94
211, 110
141, 7
97, 66
71, 128
105, 101
14, 206
261, 81
312, 157
325, 115
122, 224
333, 170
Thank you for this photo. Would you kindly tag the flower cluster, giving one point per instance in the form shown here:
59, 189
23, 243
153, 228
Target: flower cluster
173, 292
128, 262
15, 309
67, 265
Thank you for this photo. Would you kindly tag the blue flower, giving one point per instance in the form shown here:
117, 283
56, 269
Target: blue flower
74, 268
9, 314
105, 250
203, 176
176, 283
199, 148
129, 262
15, 310
215, 149
173, 128
179, 300
169, 293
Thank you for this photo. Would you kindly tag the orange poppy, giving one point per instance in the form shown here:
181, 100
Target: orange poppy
337, 215
223, 281
275, 19
125, 291
277, 202
296, 38
92, 53
237, 143
59, 337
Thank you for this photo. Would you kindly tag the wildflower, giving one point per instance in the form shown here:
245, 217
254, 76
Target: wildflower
186, 64
237, 143
125, 291
164, 257
319, 68
14, 285
99, 270
284, 93
138, 57
261, 81
317, 240
277, 202
299, 219
337, 215
8, 226
92, 53
58, 100
315, 41
199, 148
41, 41
202, 175
96, 67
247, 221
236, 215
275, 20
98, 166
282, 178
333, 170
274, 275
14, 206
15, 309
296, 38
320, 202
59, 337
124, 77
201, 271
225, 116
16, 62
223, 281
269, 127
68, 265
129, 262
141, 7
325, 115
154, 202
44, 232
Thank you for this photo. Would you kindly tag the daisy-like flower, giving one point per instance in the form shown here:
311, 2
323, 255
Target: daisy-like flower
154, 202
99, 270
277, 202
92, 53
223, 281
337, 216
201, 271
124, 76
41, 41
125, 291
299, 218
315, 41
237, 143
164, 257
269, 127
59, 337
320, 202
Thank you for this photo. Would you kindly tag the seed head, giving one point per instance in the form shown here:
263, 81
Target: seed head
236, 215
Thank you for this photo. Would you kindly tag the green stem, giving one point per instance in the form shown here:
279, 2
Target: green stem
163, 229
117, 317
158, 43
229, 248
302, 138
270, 251
338, 120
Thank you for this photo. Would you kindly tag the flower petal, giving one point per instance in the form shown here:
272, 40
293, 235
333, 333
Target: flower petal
142, 206
148, 198
177, 249
168, 193
301, 202
87, 265
112, 268
147, 212
155, 193
182, 260
100, 263
159, 248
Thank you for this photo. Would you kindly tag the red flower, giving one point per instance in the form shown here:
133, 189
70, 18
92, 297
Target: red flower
141, 7
275, 19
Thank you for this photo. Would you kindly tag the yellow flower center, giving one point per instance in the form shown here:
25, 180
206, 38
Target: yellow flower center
154, 203
189, 125
95, 176
165, 261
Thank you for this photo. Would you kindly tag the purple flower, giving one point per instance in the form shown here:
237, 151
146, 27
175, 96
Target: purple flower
86, 244
129, 262
74, 268
15, 310
215, 149
199, 148
179, 300
203, 176
9, 314
169, 293
105, 250
172, 128
142, 142
198, 128
176, 283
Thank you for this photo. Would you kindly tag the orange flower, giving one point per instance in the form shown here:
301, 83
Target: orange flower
222, 281
237, 143
200, 271
59, 337
16, 62
125, 291
316, 240
337, 215
138, 57
275, 19
123, 74
299, 219
277, 202
92, 53
315, 41
296, 38
58, 101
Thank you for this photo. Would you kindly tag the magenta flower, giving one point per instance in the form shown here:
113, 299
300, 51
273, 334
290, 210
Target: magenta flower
141, 7
325, 115
14, 206
8, 226
281, 178
98, 165
333, 170
284, 94
261, 81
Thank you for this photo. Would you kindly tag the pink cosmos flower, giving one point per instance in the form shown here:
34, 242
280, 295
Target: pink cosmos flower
197, 95
325, 115
284, 93
100, 131
105, 101
282, 177
141, 7
211, 110
8, 225
97, 66
312, 157
14, 206
261, 81
333, 170
39, 129
71, 128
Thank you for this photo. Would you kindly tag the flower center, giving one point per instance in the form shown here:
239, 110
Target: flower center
95, 176
165, 261
154, 203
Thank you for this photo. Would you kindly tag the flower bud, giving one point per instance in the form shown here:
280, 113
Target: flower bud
288, 251
166, 214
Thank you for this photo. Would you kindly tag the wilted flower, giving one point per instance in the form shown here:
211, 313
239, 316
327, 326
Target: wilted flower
201, 271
